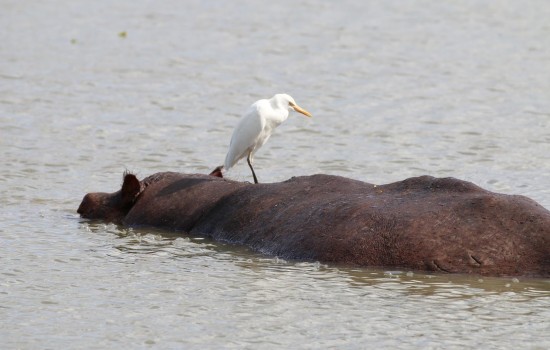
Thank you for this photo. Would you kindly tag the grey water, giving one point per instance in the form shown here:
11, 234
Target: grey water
89, 89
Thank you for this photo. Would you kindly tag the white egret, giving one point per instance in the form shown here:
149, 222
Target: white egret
255, 128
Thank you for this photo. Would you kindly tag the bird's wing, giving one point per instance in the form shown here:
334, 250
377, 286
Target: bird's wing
245, 136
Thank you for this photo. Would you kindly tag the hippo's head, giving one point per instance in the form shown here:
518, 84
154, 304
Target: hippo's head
111, 206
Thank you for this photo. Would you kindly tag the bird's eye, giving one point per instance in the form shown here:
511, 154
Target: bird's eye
291, 104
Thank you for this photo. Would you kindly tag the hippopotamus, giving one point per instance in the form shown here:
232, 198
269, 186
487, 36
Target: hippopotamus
421, 223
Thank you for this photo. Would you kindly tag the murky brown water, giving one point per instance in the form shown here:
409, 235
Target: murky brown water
397, 89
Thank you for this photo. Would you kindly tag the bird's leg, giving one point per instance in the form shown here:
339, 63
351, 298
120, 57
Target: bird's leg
249, 160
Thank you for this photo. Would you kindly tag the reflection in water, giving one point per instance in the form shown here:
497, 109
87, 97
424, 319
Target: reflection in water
273, 295
175, 245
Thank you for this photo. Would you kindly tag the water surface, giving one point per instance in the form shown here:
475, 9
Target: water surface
90, 89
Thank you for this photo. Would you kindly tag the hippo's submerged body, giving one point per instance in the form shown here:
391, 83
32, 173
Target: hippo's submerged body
421, 223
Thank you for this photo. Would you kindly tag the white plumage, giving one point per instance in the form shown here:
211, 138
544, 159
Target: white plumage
256, 126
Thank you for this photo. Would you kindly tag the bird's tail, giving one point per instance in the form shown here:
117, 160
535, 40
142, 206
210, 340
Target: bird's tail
217, 172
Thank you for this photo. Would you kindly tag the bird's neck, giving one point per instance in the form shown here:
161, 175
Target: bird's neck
279, 116
279, 112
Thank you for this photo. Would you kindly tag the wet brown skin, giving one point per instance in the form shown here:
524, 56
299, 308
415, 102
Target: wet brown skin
421, 223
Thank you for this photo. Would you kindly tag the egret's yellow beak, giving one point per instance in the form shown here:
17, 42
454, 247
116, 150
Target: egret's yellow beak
301, 110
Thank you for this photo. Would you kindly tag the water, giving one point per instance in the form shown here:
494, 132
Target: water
397, 89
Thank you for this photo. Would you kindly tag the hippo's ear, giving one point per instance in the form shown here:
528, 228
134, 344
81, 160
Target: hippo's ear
130, 189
